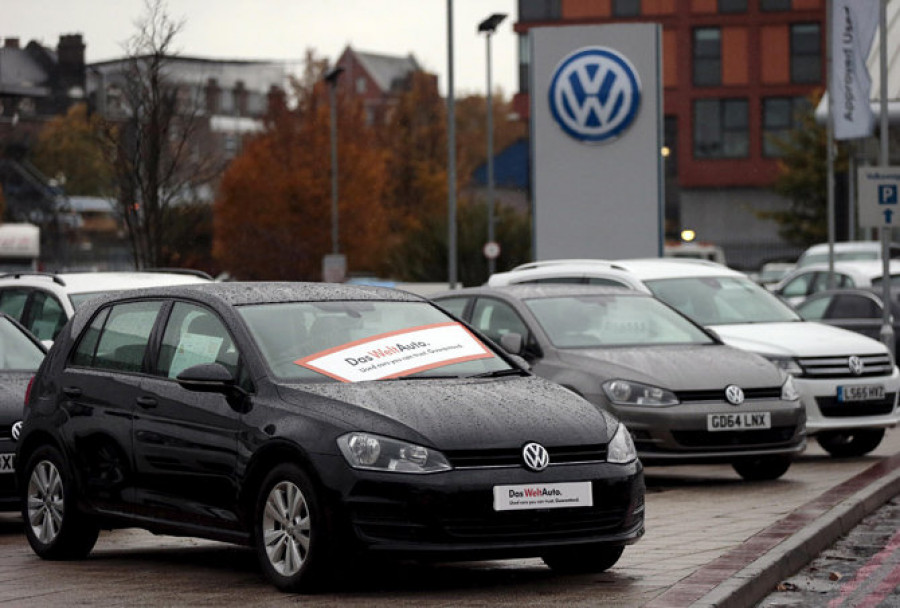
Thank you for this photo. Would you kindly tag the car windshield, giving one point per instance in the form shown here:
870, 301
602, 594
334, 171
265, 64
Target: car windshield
722, 300
613, 320
354, 341
17, 352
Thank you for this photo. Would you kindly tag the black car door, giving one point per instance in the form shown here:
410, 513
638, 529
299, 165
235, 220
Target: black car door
98, 392
185, 442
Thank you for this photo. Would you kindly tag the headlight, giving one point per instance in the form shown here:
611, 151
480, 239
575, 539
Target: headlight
621, 447
377, 453
625, 392
787, 364
789, 391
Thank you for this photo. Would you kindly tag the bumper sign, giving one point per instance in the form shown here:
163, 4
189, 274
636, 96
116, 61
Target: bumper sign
398, 354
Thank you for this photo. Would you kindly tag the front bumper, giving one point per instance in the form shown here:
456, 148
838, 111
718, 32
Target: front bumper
451, 515
679, 434
824, 412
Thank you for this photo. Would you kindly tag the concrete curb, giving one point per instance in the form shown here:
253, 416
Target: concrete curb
744, 576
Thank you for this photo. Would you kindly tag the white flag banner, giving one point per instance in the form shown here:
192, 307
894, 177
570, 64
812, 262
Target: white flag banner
853, 26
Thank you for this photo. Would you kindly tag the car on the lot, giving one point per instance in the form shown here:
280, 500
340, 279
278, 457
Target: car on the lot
684, 395
846, 251
311, 421
859, 310
772, 272
20, 355
848, 383
804, 281
43, 302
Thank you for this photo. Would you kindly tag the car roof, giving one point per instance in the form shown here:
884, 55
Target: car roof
868, 268
649, 269
524, 291
846, 246
89, 282
239, 293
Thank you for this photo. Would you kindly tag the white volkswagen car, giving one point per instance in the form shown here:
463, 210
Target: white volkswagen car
848, 382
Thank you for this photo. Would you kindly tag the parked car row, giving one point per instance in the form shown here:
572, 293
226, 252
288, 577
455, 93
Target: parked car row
314, 422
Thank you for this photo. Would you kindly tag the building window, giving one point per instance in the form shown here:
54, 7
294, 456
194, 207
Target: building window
361, 84
524, 62
732, 6
539, 10
720, 128
626, 8
707, 56
806, 53
774, 5
780, 116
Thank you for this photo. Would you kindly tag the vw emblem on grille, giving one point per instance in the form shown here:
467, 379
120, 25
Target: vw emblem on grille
734, 394
16, 430
595, 94
535, 456
856, 365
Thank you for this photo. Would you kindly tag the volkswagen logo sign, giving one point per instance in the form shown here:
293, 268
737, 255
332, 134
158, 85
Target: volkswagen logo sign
535, 456
856, 365
734, 394
595, 94
16, 430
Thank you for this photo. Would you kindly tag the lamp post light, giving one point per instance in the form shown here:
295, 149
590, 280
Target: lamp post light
332, 78
488, 26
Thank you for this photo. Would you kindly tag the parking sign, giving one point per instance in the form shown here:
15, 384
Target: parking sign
878, 197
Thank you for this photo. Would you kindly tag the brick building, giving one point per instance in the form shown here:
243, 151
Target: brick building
734, 72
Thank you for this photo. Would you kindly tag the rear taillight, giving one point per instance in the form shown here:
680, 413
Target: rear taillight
28, 391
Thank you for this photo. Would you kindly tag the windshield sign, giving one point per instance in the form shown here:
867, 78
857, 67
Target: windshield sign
398, 353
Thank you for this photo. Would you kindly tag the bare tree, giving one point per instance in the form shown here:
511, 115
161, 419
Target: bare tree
158, 163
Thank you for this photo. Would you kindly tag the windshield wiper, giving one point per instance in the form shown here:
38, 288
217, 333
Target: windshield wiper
499, 373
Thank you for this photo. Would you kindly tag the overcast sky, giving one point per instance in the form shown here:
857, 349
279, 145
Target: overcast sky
283, 30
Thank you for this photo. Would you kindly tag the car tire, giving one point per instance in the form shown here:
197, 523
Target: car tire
764, 468
293, 538
583, 560
851, 442
54, 526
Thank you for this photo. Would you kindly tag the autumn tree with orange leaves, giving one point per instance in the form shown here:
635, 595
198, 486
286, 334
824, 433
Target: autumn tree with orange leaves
273, 214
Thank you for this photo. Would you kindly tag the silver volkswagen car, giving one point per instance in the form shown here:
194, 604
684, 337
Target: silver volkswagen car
685, 396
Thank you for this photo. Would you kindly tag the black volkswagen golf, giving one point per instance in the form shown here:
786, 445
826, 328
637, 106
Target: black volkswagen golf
311, 422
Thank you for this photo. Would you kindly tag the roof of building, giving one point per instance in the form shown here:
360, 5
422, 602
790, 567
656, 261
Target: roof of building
20, 74
387, 70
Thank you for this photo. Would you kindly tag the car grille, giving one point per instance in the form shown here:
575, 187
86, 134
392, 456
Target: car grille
832, 408
470, 459
839, 367
469, 518
5, 431
718, 395
728, 439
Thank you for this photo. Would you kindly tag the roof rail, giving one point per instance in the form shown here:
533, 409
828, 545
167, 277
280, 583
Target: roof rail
29, 273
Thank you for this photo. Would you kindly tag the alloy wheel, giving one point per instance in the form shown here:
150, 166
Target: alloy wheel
286, 528
45, 502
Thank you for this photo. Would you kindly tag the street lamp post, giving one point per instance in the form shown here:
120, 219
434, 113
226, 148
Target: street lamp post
331, 78
488, 26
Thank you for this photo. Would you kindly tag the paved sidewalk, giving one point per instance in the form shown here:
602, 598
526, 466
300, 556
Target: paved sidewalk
746, 574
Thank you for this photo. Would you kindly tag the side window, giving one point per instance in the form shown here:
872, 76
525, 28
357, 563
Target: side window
124, 338
813, 311
455, 306
195, 335
854, 307
495, 318
87, 345
12, 302
46, 316
798, 286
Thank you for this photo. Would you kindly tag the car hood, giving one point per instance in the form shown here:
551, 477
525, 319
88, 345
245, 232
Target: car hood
677, 368
12, 395
798, 339
454, 414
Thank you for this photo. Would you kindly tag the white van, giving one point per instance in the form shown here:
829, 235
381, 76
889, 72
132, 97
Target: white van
20, 247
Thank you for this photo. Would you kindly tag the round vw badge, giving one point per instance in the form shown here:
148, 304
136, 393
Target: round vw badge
734, 394
856, 365
595, 94
535, 456
16, 430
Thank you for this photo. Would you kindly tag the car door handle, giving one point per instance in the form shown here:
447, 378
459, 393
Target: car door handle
72, 391
146, 402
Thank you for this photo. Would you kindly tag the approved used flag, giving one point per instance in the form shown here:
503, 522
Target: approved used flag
853, 26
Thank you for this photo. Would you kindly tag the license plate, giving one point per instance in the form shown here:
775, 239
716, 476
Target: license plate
543, 496
7, 463
860, 392
743, 421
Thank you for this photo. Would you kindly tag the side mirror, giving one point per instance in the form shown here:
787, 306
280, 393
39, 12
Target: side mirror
207, 378
512, 343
